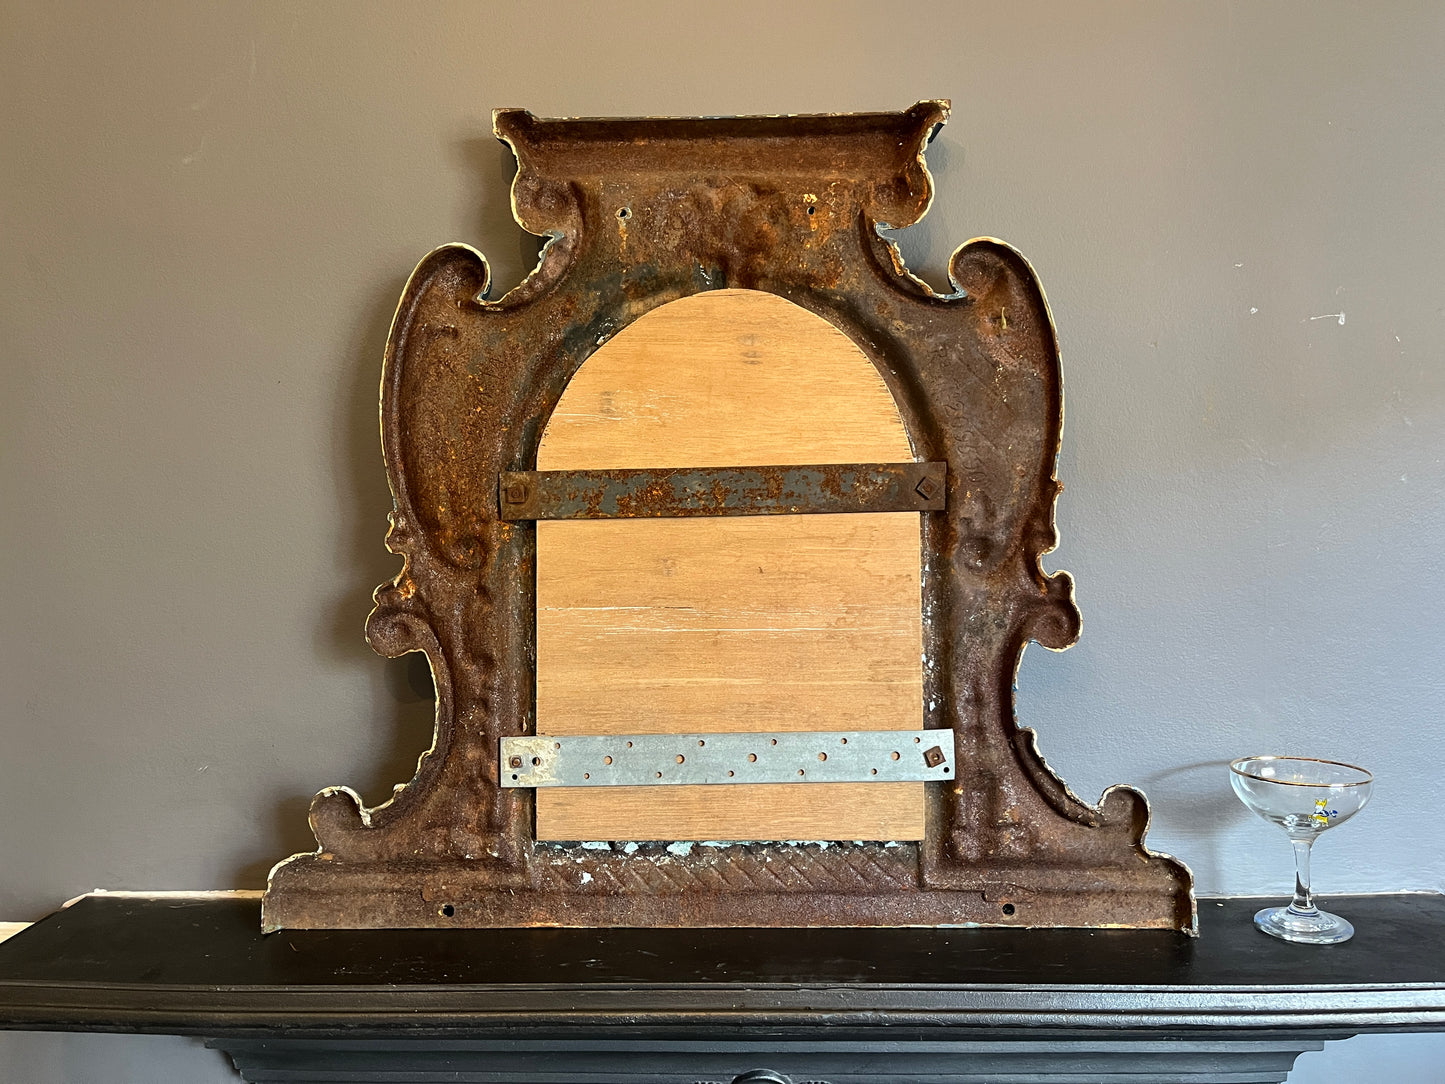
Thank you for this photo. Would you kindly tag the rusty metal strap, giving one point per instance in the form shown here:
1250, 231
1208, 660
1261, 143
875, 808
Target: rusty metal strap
722, 491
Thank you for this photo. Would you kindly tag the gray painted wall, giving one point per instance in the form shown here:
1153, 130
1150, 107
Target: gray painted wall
207, 215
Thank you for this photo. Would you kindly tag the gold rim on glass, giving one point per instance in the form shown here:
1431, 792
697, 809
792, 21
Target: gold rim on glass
1234, 766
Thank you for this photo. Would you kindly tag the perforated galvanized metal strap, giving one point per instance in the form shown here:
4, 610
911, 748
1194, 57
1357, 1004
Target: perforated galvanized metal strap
722, 491
639, 760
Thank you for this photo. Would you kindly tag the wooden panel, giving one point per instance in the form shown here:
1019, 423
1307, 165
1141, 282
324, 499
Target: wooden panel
729, 623
807, 811
726, 378
747, 623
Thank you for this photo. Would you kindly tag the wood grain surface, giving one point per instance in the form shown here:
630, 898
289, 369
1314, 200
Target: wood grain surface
808, 622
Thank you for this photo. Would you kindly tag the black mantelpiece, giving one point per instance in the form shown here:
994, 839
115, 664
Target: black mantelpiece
834, 1005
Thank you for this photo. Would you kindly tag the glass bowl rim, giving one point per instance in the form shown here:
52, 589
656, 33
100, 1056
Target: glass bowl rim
1234, 766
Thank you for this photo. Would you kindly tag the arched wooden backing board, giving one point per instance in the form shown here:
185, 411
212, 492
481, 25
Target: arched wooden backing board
733, 623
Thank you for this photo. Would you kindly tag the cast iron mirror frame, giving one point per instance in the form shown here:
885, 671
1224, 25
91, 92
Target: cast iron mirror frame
639, 213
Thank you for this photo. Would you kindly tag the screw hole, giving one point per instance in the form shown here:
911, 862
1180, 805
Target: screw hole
606, 760
514, 779
822, 756
800, 771
842, 741
556, 745
629, 745
624, 212
730, 775
773, 742
893, 755
658, 774
586, 775
752, 758
701, 742
447, 910
872, 771
917, 740
946, 771
812, 210
1008, 908
536, 762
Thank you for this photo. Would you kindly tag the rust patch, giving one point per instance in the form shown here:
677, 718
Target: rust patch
829, 488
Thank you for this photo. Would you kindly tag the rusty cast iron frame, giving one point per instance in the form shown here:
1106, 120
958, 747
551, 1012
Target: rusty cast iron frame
639, 213
722, 491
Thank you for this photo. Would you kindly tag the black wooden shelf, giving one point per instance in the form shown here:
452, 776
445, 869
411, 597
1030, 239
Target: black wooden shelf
834, 1005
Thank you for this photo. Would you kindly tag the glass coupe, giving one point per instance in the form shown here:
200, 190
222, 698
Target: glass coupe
1306, 797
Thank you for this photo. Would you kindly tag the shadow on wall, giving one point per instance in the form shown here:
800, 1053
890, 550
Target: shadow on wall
404, 686
361, 481
364, 562
1198, 803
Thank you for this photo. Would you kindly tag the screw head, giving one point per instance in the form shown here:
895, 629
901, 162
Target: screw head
516, 493
927, 488
514, 762
933, 757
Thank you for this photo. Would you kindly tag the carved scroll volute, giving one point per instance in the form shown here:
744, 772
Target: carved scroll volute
1008, 810
445, 531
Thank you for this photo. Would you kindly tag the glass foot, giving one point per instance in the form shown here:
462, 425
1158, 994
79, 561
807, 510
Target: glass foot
1304, 927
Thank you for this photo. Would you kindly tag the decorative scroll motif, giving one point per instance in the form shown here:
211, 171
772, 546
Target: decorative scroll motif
640, 213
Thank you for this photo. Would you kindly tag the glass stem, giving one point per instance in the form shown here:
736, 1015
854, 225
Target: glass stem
1303, 903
